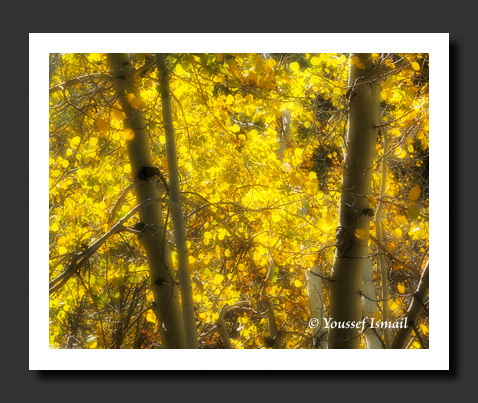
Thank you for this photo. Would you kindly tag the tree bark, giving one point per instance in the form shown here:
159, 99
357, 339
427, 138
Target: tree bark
177, 216
316, 307
378, 231
163, 279
352, 245
369, 306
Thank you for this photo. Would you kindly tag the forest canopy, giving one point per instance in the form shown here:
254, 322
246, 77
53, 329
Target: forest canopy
198, 200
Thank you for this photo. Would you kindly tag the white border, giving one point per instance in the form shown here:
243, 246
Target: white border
44, 358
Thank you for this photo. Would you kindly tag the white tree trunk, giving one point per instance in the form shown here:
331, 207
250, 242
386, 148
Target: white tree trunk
369, 305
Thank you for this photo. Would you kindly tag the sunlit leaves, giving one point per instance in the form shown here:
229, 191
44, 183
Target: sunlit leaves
294, 66
127, 134
75, 141
116, 113
135, 101
151, 317
102, 125
361, 233
228, 115
413, 212
414, 193
415, 66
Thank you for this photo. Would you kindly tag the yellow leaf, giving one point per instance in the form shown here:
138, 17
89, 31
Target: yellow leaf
297, 283
401, 288
62, 250
294, 180
294, 66
207, 235
227, 253
413, 212
398, 232
93, 141
361, 233
151, 317
414, 193
54, 303
135, 101
75, 141
102, 125
127, 168
116, 113
424, 328
354, 60
65, 163
94, 57
361, 66
315, 61
235, 128
218, 279
376, 315
229, 99
127, 134
415, 66
312, 188
207, 272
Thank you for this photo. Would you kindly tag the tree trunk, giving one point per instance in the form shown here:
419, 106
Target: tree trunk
354, 211
177, 216
414, 311
369, 306
163, 279
378, 232
316, 307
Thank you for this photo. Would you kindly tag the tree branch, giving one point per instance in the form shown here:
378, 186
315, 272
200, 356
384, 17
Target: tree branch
80, 80
414, 311
81, 258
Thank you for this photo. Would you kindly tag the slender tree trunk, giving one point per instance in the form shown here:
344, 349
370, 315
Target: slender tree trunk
369, 306
414, 311
316, 307
177, 216
378, 231
354, 211
163, 280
